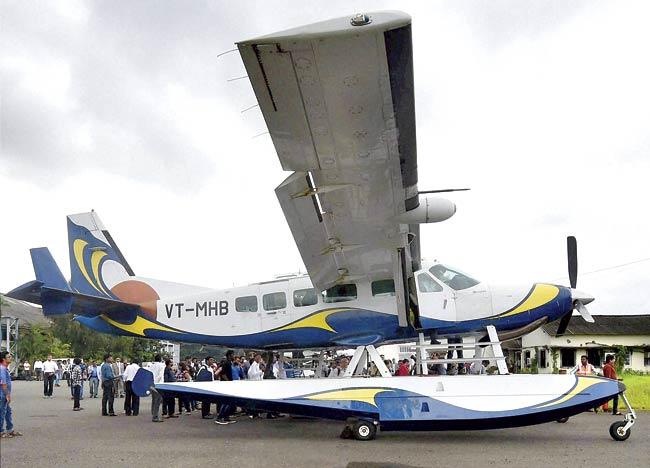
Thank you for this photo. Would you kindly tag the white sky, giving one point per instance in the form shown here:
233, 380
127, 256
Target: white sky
542, 108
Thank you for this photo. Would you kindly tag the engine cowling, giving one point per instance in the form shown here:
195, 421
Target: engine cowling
430, 210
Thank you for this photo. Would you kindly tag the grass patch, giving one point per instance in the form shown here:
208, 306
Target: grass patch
638, 391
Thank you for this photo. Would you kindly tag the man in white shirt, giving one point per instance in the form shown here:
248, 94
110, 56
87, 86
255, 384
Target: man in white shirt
27, 369
256, 370
158, 371
132, 401
38, 368
49, 370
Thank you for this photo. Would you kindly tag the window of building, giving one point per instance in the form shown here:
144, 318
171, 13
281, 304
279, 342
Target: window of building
426, 284
246, 304
274, 301
628, 358
305, 297
453, 278
383, 287
646, 358
542, 362
340, 293
567, 358
527, 362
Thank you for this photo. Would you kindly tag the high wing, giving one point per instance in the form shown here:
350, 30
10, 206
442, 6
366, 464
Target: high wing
338, 100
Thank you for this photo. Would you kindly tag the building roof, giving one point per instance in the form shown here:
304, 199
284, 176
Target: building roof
26, 313
604, 325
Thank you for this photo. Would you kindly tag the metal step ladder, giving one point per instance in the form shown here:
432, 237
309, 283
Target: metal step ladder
422, 347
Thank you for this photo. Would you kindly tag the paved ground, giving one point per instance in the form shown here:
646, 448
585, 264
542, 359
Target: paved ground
57, 436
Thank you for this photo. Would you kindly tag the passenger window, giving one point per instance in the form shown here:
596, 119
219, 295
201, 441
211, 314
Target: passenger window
305, 297
383, 288
427, 285
246, 304
340, 293
274, 301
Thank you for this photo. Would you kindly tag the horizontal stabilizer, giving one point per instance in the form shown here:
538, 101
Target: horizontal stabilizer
57, 301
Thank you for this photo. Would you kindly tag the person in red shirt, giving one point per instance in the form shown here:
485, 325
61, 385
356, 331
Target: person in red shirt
403, 369
609, 371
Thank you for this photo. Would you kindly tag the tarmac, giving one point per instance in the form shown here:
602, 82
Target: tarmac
54, 435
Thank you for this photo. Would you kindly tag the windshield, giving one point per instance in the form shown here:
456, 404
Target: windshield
452, 278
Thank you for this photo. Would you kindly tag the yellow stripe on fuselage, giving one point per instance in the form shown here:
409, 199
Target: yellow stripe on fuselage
365, 395
317, 320
138, 326
541, 294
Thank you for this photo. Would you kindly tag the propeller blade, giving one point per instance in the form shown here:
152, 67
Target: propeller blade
572, 257
582, 310
564, 323
445, 190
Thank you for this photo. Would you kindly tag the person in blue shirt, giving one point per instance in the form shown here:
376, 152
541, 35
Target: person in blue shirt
107, 386
6, 416
93, 380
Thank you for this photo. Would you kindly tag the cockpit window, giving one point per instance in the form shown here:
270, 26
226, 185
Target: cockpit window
426, 284
453, 278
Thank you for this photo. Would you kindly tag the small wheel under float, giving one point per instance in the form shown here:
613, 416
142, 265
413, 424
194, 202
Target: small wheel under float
364, 430
562, 420
359, 429
619, 432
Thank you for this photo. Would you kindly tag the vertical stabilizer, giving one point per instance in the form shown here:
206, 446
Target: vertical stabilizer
96, 263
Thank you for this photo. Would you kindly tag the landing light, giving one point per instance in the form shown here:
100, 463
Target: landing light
360, 19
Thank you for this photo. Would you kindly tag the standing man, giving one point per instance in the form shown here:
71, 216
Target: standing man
27, 369
256, 370
205, 374
107, 386
158, 371
118, 384
5, 398
609, 371
38, 368
93, 379
584, 368
49, 371
76, 382
132, 401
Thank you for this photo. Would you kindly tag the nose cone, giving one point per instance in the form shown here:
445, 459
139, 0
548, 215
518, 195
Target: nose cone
581, 296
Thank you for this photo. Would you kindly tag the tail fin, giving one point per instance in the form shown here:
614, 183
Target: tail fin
96, 262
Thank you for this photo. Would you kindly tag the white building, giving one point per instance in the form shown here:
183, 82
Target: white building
595, 340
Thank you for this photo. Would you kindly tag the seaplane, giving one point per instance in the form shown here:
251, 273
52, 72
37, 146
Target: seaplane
338, 99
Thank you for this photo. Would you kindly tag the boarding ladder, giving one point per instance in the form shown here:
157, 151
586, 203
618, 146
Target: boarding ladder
422, 359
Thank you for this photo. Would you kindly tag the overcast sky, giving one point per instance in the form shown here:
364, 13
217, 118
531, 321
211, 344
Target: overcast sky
542, 108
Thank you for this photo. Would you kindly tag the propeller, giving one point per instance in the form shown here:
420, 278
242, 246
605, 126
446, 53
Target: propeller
579, 298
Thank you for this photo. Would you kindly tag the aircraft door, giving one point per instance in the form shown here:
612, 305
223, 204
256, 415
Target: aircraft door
434, 300
248, 312
474, 303
275, 311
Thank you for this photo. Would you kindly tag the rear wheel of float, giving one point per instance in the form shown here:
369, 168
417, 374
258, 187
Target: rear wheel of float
364, 430
618, 432
563, 420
